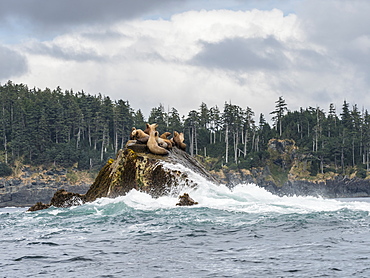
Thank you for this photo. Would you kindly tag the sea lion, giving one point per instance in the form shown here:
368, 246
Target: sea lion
150, 128
130, 143
131, 134
153, 145
165, 135
161, 142
153, 127
139, 135
178, 139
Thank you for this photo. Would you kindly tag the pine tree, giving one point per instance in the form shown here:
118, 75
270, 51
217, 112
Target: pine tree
174, 121
249, 129
159, 116
279, 112
138, 119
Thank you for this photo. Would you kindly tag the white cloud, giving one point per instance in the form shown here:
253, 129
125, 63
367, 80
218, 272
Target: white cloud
248, 57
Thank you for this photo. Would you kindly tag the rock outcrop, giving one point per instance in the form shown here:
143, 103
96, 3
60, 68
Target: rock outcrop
136, 168
186, 200
39, 206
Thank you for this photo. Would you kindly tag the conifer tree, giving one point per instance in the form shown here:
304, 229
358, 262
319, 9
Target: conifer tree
279, 112
174, 121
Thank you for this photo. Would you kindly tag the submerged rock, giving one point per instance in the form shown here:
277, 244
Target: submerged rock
134, 168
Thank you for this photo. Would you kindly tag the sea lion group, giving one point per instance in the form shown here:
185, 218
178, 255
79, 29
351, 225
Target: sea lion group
157, 144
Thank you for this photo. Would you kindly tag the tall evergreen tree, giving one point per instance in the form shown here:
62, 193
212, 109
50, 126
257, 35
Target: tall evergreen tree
279, 112
139, 120
158, 115
174, 121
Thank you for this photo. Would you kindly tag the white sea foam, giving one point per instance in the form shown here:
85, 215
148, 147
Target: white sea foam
248, 198
251, 198
12, 209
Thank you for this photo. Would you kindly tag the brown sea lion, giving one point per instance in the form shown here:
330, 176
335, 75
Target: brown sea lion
178, 139
131, 134
140, 136
162, 143
165, 135
153, 145
150, 128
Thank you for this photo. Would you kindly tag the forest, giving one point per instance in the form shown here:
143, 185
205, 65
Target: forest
66, 128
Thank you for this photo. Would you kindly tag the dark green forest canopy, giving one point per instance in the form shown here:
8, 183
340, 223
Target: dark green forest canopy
64, 128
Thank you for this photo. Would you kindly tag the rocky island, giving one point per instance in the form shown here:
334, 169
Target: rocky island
141, 166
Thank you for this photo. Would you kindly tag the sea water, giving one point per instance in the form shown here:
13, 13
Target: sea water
243, 232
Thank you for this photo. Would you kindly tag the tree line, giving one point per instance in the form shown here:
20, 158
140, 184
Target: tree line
75, 128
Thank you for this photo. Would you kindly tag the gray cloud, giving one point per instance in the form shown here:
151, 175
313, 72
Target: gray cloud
334, 22
310, 61
106, 35
72, 54
11, 63
53, 15
241, 54
341, 29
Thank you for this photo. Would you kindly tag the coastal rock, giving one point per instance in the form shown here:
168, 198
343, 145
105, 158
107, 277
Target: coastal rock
185, 200
39, 206
156, 175
65, 199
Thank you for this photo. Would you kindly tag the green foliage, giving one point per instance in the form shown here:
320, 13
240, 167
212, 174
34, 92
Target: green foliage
280, 175
281, 108
361, 173
5, 170
160, 117
72, 177
44, 126
65, 128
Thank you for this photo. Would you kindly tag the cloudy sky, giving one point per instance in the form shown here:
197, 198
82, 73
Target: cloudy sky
181, 53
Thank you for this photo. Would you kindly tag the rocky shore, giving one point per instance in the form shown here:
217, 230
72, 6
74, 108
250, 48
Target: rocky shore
39, 184
286, 174
337, 187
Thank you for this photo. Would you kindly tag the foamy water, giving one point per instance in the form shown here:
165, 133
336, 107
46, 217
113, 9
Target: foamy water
243, 232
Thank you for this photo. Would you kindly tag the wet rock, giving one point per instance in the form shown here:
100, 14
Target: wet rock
64, 199
39, 206
185, 200
140, 170
145, 172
